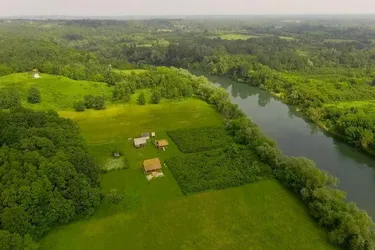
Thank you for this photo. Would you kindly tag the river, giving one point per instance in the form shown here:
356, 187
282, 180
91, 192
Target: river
298, 137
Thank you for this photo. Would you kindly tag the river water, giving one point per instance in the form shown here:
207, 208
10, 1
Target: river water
297, 137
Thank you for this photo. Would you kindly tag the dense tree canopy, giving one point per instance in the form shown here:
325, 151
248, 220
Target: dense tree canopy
47, 176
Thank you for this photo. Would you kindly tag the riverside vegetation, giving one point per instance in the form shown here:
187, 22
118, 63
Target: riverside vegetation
332, 84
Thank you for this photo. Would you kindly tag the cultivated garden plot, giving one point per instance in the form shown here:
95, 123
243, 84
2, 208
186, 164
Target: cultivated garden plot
200, 139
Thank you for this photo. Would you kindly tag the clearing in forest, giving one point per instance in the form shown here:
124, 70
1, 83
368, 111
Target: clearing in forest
156, 214
57, 92
234, 36
138, 214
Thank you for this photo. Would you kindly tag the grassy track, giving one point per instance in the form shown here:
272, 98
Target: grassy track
262, 215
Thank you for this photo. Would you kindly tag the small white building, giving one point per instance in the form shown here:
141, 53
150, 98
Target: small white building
36, 75
140, 142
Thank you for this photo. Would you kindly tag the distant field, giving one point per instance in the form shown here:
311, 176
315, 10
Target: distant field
338, 41
129, 71
262, 215
235, 36
57, 92
289, 38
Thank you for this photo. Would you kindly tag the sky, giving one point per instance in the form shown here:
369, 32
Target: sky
182, 7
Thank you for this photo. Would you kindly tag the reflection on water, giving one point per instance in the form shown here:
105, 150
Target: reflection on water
299, 137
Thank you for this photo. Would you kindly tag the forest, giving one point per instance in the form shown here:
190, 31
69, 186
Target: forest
48, 176
314, 64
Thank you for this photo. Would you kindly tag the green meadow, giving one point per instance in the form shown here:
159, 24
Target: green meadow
234, 36
338, 41
57, 92
155, 214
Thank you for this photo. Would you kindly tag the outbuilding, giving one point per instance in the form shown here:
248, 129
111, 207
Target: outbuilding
162, 144
140, 142
151, 166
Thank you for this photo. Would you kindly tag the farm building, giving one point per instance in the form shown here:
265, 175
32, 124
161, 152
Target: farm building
140, 142
162, 144
152, 166
145, 135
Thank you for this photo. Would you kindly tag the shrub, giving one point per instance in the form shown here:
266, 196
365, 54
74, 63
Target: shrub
141, 99
94, 102
33, 95
79, 106
114, 197
99, 103
155, 96
89, 101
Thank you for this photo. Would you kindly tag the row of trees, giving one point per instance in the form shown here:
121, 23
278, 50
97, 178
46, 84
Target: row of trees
347, 225
46, 173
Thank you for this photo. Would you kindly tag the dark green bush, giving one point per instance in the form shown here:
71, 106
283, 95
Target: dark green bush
79, 106
33, 95
141, 99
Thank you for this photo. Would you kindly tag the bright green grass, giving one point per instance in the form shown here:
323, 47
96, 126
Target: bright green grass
57, 92
338, 40
127, 72
118, 122
154, 215
348, 105
234, 36
288, 38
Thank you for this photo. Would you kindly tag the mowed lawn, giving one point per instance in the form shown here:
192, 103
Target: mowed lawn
262, 215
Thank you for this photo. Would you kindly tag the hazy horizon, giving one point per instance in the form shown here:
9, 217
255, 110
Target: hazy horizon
10, 8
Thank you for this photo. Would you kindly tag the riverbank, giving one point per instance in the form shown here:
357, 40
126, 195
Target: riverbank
321, 125
297, 135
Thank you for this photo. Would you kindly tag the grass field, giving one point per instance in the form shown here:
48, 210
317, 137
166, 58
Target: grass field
127, 72
234, 36
338, 41
119, 122
288, 38
57, 92
155, 215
